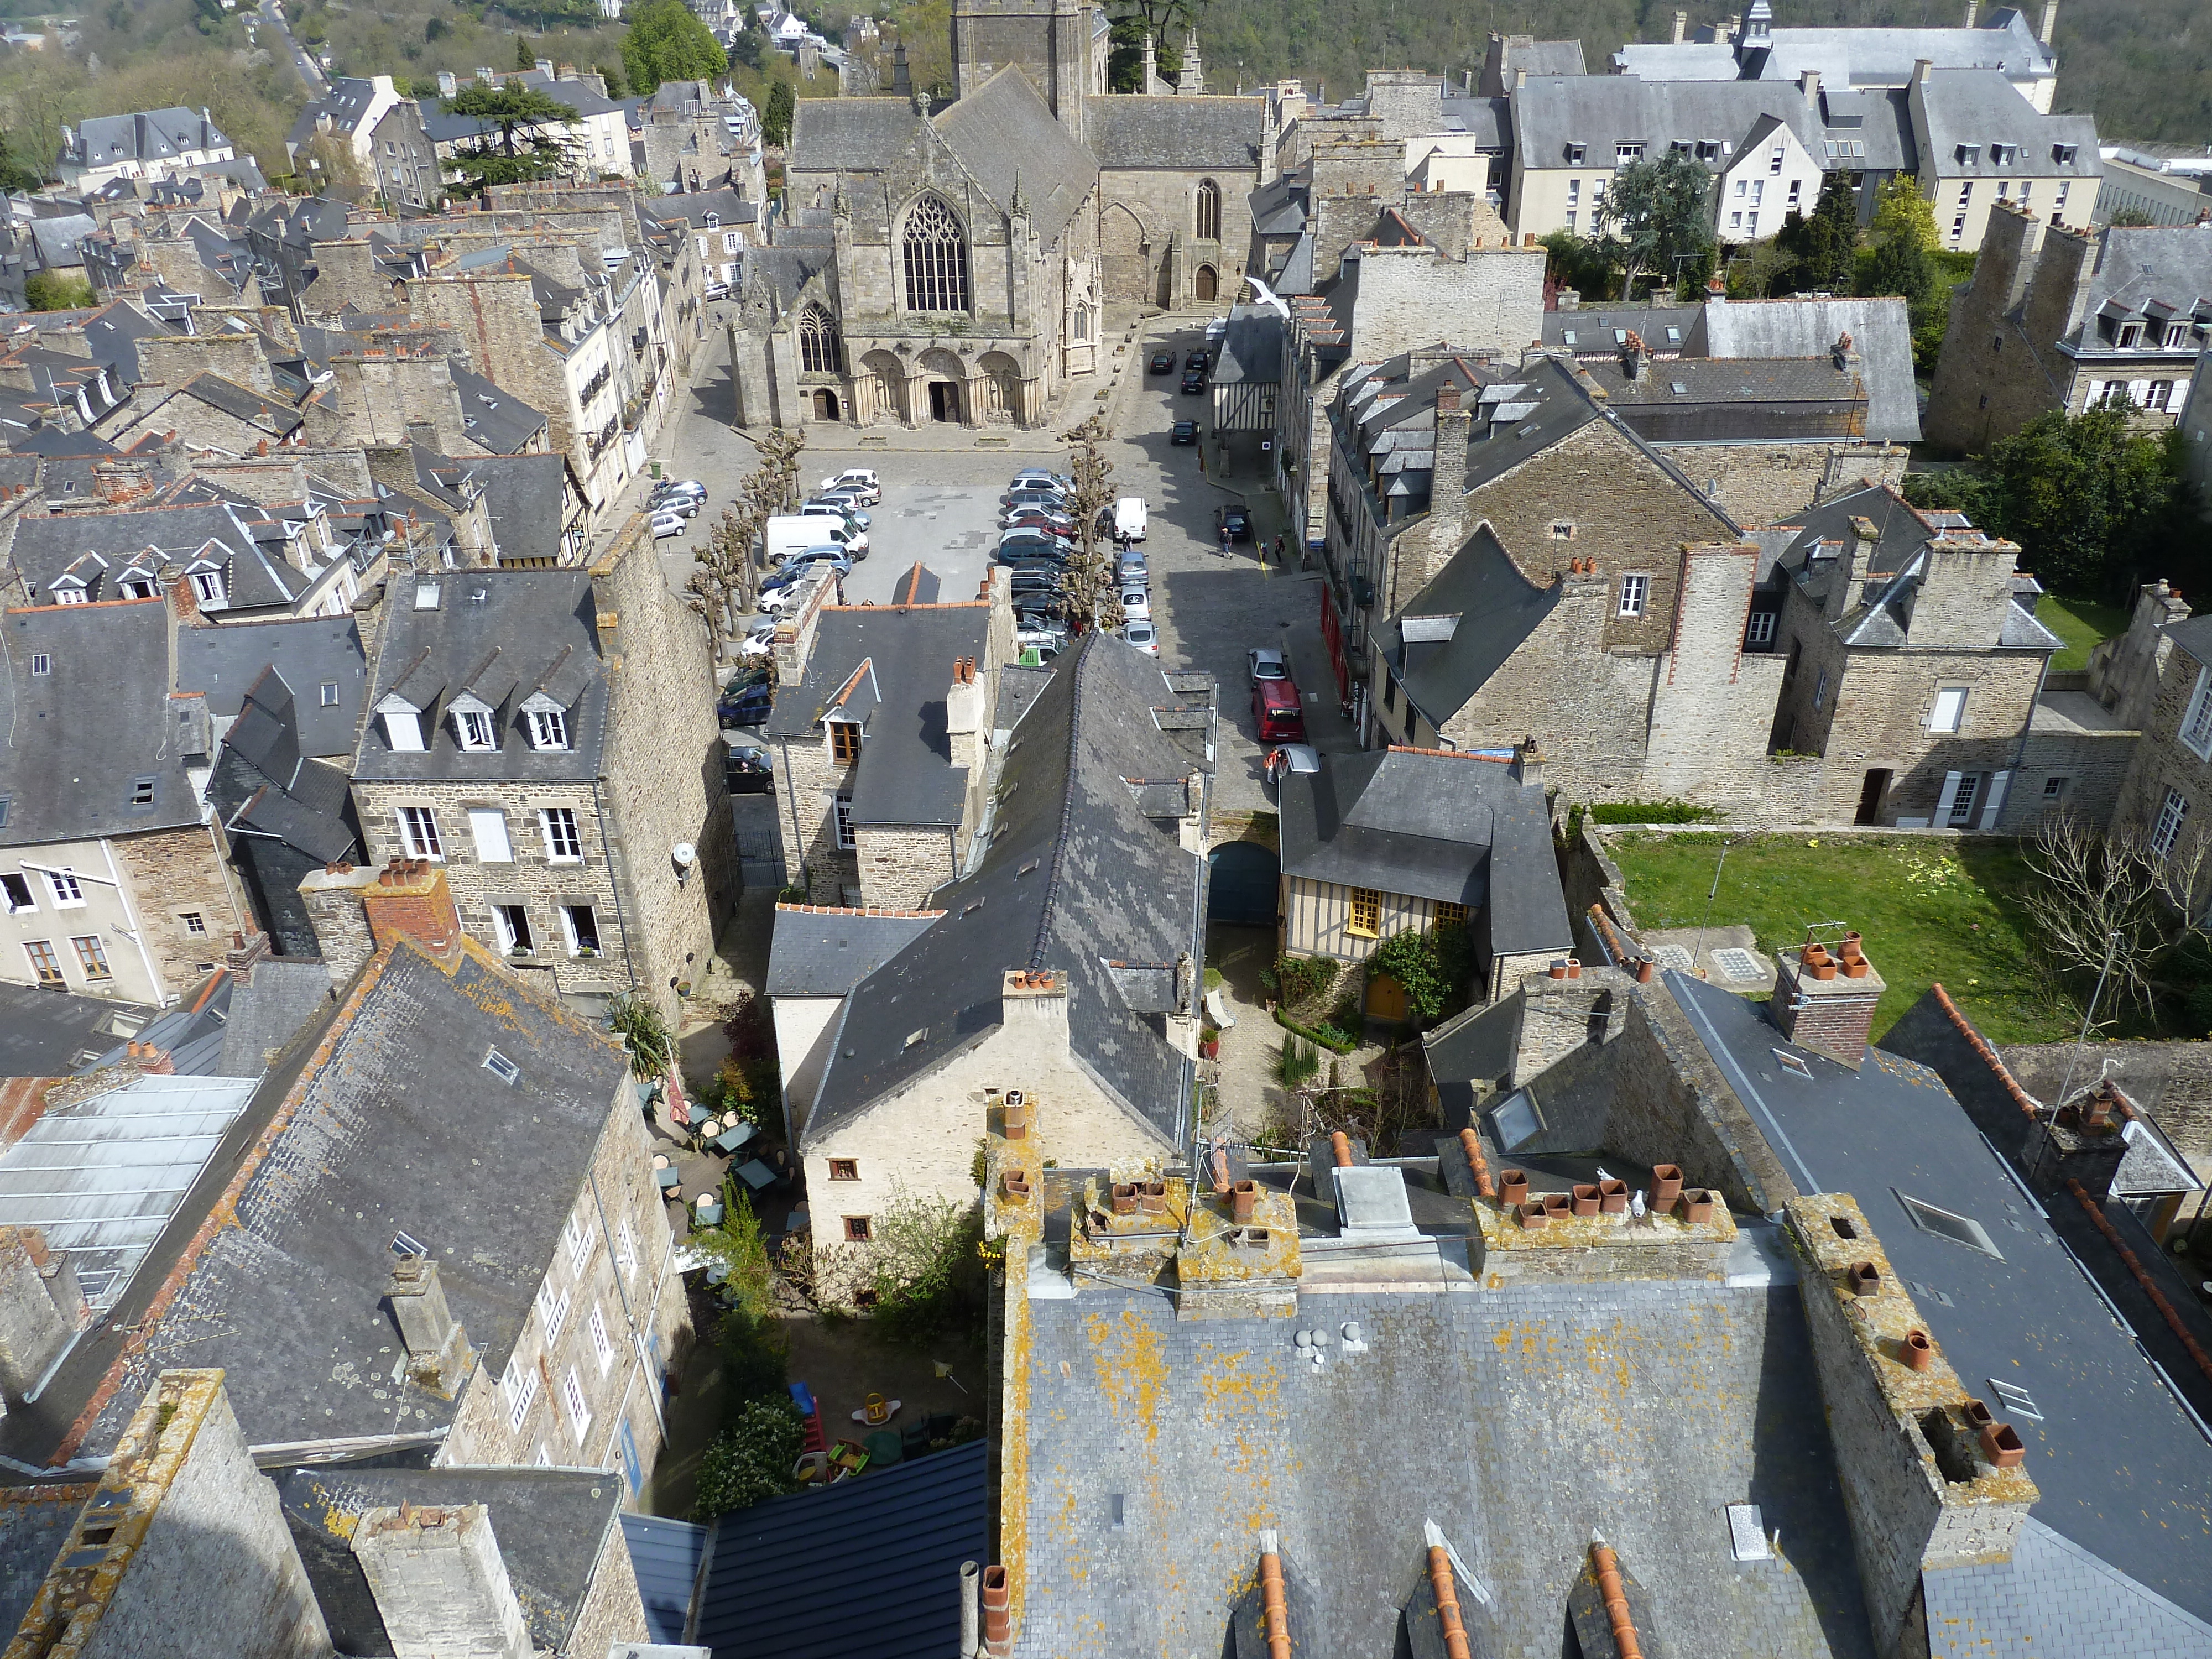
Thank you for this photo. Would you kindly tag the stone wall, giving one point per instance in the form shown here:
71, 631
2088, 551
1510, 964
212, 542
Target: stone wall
1906, 1513
172, 875
1712, 701
502, 334
627, 1275
1760, 483
1142, 211
900, 868
2095, 766
613, 1612
808, 780
663, 759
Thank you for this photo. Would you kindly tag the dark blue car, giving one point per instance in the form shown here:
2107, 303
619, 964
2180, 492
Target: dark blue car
749, 707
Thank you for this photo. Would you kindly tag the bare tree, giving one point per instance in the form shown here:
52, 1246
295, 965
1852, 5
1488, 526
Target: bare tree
1093, 592
727, 584
2097, 891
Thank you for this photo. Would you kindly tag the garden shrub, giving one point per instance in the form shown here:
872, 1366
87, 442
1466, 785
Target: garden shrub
751, 1460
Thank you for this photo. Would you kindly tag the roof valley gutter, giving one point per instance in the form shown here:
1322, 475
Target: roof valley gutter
1745, 1087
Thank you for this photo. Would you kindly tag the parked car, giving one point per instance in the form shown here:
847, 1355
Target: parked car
836, 507
1291, 757
1143, 636
1163, 363
1184, 432
1137, 605
747, 707
1200, 360
1036, 535
667, 524
759, 640
1266, 666
836, 556
715, 291
1061, 524
1051, 500
1277, 713
1194, 380
690, 487
1238, 523
1039, 478
856, 477
1131, 567
1128, 522
685, 507
1215, 329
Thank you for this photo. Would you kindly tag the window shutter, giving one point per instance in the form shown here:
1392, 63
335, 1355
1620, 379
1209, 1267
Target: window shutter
1996, 802
1942, 818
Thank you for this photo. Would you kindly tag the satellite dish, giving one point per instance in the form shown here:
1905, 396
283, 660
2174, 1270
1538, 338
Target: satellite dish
684, 853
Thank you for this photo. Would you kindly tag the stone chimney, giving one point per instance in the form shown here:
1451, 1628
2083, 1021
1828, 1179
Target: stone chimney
964, 716
438, 1355
1152, 84
355, 912
1447, 474
1973, 13
440, 1582
902, 78
41, 1308
2084, 1140
1528, 763
1847, 585
1825, 1000
177, 588
1634, 357
1681, 27
1921, 69
1809, 84
2049, 21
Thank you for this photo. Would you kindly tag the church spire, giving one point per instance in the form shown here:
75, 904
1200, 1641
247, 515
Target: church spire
1192, 81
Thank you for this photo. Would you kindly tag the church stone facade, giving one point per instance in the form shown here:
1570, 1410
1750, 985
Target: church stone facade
953, 264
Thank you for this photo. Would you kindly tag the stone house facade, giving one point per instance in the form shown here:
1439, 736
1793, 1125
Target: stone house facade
2066, 319
2157, 679
882, 733
538, 732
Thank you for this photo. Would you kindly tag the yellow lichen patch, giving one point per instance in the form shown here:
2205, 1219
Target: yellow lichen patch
1133, 1368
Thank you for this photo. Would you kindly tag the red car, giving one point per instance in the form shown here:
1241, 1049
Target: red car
1276, 712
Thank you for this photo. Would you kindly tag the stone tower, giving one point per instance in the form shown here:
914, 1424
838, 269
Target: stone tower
1049, 40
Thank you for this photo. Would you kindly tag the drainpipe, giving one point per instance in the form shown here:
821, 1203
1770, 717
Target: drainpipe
161, 997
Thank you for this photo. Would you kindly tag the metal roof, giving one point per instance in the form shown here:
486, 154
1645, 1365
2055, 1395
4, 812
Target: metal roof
665, 1555
102, 1177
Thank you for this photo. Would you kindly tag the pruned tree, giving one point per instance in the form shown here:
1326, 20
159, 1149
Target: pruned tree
1656, 211
1093, 593
2098, 892
726, 583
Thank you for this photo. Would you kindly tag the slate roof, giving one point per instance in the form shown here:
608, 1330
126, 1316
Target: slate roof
290, 1298
264, 790
1076, 875
850, 135
48, 1033
152, 135
270, 1003
1875, 56
346, 104
525, 498
1006, 135
821, 952
1589, 330
1251, 349
1453, 828
307, 653
530, 625
665, 1555
2052, 1596
1878, 328
2138, 265
493, 416
1981, 106
34, 1524
245, 543
2122, 1467
1130, 131
1569, 1406
1475, 1046
101, 718
779, 1576
551, 1524
905, 774
1497, 608
1599, 111
191, 1030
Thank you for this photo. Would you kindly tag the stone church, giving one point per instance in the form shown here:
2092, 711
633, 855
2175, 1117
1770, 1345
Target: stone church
951, 262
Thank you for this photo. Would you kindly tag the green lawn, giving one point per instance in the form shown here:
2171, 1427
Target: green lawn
2083, 624
1929, 911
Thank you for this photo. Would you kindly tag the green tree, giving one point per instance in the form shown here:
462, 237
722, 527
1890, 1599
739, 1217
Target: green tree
525, 138
1821, 246
15, 172
57, 290
617, 83
1577, 262
523, 58
2089, 499
776, 119
667, 42
751, 1460
1900, 210
1655, 212
925, 1268
747, 49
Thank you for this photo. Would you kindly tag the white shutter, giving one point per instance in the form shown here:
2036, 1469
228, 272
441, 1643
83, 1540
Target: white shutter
1995, 802
1943, 819
489, 826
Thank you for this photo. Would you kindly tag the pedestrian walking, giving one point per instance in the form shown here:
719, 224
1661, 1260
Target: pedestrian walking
1279, 553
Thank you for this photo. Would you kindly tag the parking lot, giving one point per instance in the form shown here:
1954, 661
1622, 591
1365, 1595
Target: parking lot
941, 507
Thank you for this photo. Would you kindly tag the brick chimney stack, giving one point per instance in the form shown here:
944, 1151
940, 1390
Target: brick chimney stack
177, 588
1448, 473
1825, 1000
357, 912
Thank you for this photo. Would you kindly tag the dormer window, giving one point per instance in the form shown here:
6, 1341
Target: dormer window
475, 727
1625, 154
402, 729
2062, 154
2003, 156
2177, 335
844, 742
1970, 155
208, 586
1575, 153
2130, 336
548, 729
73, 593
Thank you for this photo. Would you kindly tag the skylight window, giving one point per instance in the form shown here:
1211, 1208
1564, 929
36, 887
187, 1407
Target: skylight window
1793, 1065
141, 791
500, 1066
1958, 1229
2017, 1401
41, 663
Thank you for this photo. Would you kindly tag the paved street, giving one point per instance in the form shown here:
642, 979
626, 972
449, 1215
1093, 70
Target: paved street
940, 505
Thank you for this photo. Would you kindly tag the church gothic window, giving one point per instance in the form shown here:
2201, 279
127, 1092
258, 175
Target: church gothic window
936, 258
821, 349
1209, 211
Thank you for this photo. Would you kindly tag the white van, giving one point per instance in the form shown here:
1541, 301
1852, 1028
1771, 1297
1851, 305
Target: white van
1129, 518
789, 534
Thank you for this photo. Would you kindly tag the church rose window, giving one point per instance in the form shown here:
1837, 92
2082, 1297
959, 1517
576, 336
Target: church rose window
821, 350
936, 258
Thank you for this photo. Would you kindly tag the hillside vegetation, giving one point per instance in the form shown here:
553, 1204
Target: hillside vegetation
2142, 67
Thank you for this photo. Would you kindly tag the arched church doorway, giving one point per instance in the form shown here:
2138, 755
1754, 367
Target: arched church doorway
944, 401
825, 405
1205, 283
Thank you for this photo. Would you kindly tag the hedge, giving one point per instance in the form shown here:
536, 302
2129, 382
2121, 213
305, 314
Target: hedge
1324, 1036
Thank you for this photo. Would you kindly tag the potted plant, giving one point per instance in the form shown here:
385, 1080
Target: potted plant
1209, 1043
